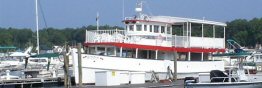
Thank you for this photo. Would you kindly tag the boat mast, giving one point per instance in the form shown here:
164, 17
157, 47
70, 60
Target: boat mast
37, 34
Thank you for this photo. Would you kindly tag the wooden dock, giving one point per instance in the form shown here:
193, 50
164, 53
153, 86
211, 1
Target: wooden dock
59, 82
177, 84
32, 82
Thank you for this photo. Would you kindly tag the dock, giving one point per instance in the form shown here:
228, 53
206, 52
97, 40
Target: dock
32, 82
177, 84
59, 82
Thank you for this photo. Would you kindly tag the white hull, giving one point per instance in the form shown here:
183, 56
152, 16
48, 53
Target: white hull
225, 85
93, 63
3, 65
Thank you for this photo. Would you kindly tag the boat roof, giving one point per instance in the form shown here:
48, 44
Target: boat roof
7, 47
19, 54
48, 55
174, 20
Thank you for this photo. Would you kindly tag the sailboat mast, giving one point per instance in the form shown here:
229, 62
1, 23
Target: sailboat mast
37, 34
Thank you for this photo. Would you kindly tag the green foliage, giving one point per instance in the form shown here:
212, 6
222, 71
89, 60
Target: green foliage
246, 32
23, 38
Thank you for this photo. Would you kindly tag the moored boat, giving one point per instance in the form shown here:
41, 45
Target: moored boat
149, 44
236, 77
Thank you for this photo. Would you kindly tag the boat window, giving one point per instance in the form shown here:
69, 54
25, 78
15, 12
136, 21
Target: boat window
156, 28
131, 27
145, 27
168, 30
162, 29
151, 28
138, 27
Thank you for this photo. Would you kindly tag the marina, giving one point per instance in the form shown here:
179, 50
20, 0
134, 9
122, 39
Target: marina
149, 51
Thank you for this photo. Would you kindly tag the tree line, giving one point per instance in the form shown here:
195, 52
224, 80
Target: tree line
247, 33
22, 38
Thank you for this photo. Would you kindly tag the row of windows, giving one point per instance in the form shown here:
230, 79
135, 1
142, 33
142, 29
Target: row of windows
152, 28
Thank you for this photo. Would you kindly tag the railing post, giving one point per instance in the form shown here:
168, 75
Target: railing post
175, 41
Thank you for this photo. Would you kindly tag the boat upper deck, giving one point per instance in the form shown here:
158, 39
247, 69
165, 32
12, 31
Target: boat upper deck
163, 33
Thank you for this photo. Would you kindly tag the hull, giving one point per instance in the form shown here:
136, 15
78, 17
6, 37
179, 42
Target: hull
94, 63
225, 85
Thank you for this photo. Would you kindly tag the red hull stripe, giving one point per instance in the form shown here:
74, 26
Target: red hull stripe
160, 48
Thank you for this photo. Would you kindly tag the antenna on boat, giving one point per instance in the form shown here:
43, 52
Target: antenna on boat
139, 8
123, 9
37, 28
97, 21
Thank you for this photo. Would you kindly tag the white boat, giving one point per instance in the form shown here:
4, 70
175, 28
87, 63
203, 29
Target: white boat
149, 44
7, 76
236, 77
15, 59
11, 62
43, 61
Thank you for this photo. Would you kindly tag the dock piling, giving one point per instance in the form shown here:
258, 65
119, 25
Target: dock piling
79, 64
175, 67
66, 70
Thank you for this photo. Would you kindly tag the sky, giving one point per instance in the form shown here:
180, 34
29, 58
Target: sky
78, 13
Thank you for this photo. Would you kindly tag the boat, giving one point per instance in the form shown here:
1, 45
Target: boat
8, 76
149, 45
236, 77
16, 59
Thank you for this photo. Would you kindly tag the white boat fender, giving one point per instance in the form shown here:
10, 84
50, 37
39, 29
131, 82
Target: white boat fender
8, 74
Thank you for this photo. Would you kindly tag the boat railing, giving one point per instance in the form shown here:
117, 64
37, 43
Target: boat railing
229, 77
179, 41
143, 17
224, 78
201, 42
129, 18
121, 36
109, 31
112, 35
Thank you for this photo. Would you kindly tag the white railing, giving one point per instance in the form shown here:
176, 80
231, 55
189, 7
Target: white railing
180, 41
105, 36
207, 42
119, 36
201, 42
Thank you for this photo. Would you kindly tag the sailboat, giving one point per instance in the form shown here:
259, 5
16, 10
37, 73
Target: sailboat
41, 62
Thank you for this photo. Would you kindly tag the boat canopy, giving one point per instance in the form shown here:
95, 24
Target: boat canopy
19, 54
48, 55
7, 47
232, 54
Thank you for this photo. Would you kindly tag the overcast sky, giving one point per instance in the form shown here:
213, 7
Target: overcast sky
78, 13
